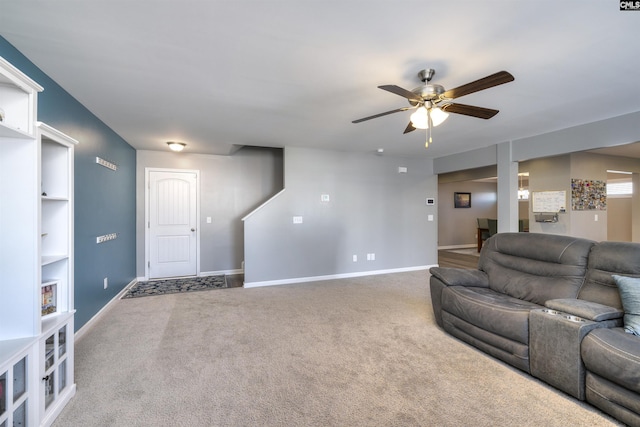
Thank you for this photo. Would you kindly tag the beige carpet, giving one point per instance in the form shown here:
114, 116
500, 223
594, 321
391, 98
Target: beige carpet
352, 352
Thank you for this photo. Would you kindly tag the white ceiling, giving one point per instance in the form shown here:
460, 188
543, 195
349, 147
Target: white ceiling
218, 74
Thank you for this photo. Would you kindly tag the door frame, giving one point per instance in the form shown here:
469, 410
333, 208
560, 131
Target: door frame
147, 237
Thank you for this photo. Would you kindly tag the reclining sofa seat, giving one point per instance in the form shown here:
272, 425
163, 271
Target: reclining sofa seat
610, 355
517, 272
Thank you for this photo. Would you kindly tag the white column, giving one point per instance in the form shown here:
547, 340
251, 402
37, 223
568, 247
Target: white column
635, 208
507, 189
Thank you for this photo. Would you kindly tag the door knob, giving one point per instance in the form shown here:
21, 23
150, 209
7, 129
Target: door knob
193, 229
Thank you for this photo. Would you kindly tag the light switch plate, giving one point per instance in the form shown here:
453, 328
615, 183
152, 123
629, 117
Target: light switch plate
297, 220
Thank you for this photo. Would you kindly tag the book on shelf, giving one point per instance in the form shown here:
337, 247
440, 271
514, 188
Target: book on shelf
49, 304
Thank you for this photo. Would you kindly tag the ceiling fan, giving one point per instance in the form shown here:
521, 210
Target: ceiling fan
433, 103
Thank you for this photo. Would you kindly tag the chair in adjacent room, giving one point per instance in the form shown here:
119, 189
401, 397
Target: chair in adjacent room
483, 231
493, 227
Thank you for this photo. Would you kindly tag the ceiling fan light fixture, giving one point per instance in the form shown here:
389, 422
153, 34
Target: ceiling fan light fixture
176, 146
438, 116
420, 119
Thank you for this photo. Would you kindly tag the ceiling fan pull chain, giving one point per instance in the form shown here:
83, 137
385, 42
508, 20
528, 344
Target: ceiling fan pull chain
429, 127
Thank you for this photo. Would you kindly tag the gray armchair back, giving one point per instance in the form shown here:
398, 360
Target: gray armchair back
609, 258
535, 267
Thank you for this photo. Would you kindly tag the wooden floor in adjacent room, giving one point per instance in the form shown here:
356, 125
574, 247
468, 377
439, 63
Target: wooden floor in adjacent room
448, 258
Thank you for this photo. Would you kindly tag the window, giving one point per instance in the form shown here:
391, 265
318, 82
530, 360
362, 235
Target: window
619, 187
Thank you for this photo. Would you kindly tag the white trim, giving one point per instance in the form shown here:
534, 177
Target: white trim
263, 205
470, 245
335, 276
87, 326
219, 272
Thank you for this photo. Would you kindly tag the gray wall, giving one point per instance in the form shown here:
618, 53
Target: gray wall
372, 209
230, 188
588, 224
458, 227
555, 173
104, 200
605, 133
551, 174
619, 219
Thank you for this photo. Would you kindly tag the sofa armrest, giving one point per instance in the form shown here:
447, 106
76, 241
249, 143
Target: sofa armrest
460, 276
585, 309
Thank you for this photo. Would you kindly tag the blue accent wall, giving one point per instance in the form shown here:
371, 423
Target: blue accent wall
104, 200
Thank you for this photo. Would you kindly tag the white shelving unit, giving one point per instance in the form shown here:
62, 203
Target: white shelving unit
56, 263
36, 259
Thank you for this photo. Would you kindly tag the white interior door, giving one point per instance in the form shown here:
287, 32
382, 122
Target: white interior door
172, 224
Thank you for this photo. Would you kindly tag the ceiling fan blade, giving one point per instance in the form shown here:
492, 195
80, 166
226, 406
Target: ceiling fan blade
470, 110
485, 83
402, 92
375, 116
409, 128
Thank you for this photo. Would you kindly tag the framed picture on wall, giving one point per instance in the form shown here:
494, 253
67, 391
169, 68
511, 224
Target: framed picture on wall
461, 200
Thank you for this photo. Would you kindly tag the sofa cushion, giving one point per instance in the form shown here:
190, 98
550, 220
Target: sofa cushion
606, 259
614, 355
535, 267
629, 288
492, 311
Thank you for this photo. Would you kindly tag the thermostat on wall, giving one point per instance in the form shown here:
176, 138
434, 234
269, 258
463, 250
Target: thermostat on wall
431, 201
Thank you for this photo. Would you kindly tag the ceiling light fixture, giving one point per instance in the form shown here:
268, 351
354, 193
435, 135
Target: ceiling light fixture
427, 117
420, 118
523, 193
176, 146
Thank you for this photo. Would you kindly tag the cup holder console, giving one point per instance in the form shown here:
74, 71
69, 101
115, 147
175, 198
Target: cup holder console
569, 317
574, 318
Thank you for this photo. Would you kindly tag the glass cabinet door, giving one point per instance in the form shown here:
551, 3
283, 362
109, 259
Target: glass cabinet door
3, 396
19, 379
54, 377
14, 394
20, 415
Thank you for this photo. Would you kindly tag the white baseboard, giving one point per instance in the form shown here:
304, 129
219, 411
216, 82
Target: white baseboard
334, 276
470, 245
85, 328
220, 272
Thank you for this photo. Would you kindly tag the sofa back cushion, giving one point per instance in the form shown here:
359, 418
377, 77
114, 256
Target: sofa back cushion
535, 267
605, 260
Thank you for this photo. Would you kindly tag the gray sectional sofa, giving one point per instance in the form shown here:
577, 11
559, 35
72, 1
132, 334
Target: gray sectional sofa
550, 306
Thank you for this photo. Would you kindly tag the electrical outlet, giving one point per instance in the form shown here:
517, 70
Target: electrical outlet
106, 282
355, 258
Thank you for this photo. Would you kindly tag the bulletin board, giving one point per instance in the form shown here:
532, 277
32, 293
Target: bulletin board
548, 201
588, 194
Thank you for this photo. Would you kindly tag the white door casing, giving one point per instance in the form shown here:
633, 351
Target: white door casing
172, 220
